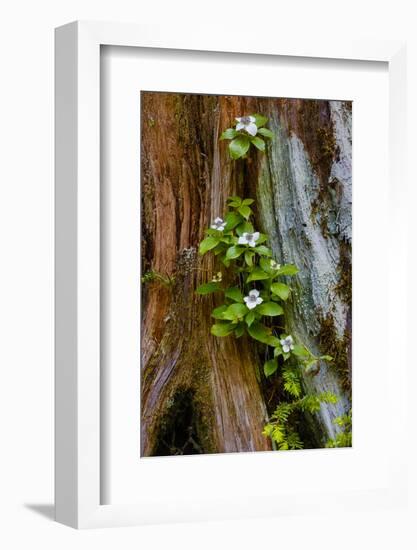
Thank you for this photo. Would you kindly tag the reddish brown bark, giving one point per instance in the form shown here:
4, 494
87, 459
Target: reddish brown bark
186, 179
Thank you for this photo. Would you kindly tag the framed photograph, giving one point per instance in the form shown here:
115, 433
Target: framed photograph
224, 215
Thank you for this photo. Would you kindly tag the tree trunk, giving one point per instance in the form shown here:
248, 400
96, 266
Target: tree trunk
194, 386
201, 393
305, 196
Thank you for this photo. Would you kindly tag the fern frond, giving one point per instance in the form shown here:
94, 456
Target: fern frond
294, 441
282, 412
292, 382
275, 432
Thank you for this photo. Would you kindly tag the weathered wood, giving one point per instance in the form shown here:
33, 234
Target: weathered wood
190, 379
186, 180
304, 191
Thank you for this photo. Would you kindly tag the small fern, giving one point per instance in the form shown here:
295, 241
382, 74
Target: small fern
282, 412
292, 382
343, 438
279, 428
285, 438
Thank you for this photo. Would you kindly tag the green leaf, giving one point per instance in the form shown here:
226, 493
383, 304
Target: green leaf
260, 332
232, 219
266, 133
234, 252
230, 133
248, 202
206, 288
235, 312
234, 294
213, 232
270, 308
249, 257
273, 341
260, 120
301, 351
288, 269
239, 146
245, 211
326, 357
239, 330
270, 367
244, 227
250, 317
263, 250
259, 143
207, 244
225, 261
310, 366
257, 274
265, 265
234, 201
219, 249
277, 351
281, 290
227, 239
222, 329
217, 312
262, 238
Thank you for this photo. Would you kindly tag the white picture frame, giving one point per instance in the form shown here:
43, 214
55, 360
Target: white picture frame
78, 501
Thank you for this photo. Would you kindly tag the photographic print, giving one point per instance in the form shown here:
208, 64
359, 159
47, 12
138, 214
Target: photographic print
246, 279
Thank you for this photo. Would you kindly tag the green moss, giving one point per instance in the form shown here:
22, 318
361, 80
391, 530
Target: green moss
204, 409
348, 106
177, 433
155, 277
317, 133
339, 348
326, 149
344, 268
315, 127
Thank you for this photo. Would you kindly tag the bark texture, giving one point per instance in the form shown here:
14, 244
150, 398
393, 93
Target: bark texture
204, 394
305, 196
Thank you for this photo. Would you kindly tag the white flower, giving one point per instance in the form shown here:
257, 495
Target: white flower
274, 265
287, 344
253, 299
249, 238
247, 123
217, 278
218, 224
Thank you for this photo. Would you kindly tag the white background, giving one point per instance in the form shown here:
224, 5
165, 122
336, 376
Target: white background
26, 301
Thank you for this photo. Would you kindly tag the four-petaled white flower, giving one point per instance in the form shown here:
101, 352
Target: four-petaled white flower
218, 224
253, 299
247, 123
249, 238
274, 265
287, 344
217, 278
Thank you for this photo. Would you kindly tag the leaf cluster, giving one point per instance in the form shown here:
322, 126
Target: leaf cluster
344, 437
246, 253
279, 427
241, 141
254, 269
